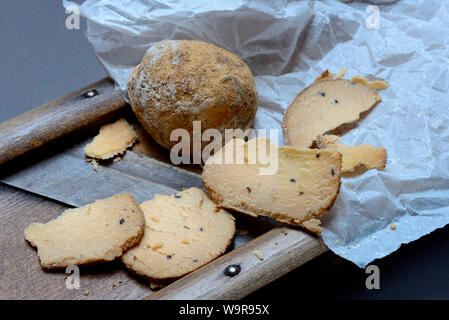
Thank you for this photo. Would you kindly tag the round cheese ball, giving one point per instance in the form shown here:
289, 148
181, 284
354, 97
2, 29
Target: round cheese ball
181, 81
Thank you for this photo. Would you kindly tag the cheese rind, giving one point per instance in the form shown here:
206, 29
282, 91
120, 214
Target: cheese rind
113, 139
96, 232
354, 156
179, 82
375, 84
324, 106
183, 232
304, 187
325, 75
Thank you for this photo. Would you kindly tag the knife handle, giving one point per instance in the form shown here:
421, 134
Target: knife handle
91, 105
282, 249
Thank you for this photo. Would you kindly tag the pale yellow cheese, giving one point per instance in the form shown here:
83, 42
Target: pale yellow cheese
303, 187
96, 232
113, 139
328, 75
354, 156
258, 254
156, 285
376, 84
183, 232
324, 106
313, 225
341, 74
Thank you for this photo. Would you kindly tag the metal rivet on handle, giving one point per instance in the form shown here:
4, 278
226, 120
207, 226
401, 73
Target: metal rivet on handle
91, 93
232, 270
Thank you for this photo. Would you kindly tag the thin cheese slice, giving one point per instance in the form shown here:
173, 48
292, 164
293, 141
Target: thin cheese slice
324, 106
113, 139
304, 186
96, 232
183, 232
354, 156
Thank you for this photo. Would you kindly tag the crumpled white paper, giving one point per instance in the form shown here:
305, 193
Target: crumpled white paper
287, 45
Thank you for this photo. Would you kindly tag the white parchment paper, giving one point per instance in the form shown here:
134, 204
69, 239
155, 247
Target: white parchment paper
287, 44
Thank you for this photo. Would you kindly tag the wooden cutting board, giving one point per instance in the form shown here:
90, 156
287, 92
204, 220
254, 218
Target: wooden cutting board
63, 121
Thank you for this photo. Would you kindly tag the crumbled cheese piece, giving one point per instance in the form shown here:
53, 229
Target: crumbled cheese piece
258, 254
325, 75
313, 225
376, 84
95, 164
100, 231
353, 156
303, 187
113, 139
341, 74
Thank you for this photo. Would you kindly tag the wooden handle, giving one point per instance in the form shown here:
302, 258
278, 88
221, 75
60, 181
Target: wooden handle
282, 250
88, 106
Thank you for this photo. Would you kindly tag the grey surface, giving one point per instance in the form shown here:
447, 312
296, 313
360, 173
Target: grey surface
40, 60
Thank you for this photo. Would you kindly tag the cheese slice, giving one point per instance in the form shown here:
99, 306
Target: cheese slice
324, 106
113, 139
183, 232
354, 156
304, 186
341, 74
96, 232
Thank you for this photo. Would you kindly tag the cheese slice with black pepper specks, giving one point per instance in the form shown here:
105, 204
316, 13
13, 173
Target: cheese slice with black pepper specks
183, 232
324, 106
304, 186
96, 232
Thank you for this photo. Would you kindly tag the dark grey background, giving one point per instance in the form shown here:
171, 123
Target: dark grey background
41, 60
